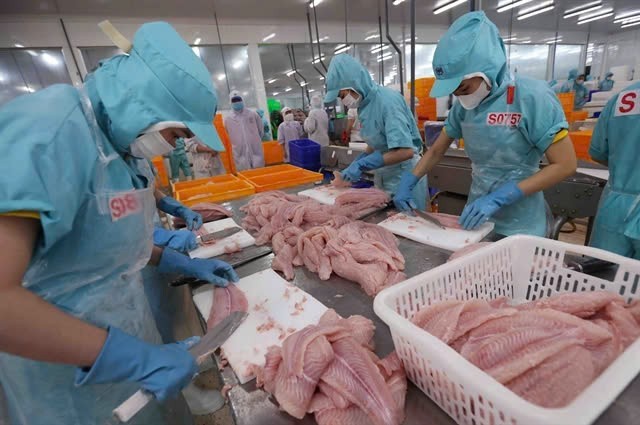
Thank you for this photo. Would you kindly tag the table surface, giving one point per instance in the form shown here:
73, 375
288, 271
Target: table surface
251, 406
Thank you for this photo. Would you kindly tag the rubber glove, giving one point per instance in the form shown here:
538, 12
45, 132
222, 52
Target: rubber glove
163, 370
482, 209
215, 271
403, 199
176, 209
180, 240
364, 162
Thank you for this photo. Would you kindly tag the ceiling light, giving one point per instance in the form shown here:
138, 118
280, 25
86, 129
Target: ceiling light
271, 81
321, 77
408, 40
316, 60
302, 84
1, 78
314, 3
633, 24
32, 53
384, 58
326, 37
221, 77
27, 89
450, 5
378, 48
585, 8
312, 90
269, 37
397, 2
276, 93
513, 4
339, 46
290, 73
196, 50
20, 46
554, 41
369, 37
237, 64
621, 18
629, 20
592, 18
509, 38
288, 89
343, 49
543, 7
50, 60
197, 41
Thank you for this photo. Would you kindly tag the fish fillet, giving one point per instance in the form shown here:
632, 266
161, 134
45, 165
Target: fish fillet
582, 304
226, 301
623, 321
352, 415
265, 376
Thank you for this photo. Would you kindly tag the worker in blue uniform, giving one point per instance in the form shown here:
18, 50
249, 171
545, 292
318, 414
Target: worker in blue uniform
581, 93
616, 143
388, 127
507, 125
607, 83
74, 238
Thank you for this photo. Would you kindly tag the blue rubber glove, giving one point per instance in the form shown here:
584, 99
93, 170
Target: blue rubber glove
163, 370
482, 209
403, 199
180, 240
176, 209
367, 162
215, 271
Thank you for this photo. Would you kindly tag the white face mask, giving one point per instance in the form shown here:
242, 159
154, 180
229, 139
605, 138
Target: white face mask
288, 117
471, 101
351, 101
150, 145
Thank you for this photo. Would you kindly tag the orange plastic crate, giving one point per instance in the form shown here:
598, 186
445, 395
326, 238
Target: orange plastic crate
273, 153
581, 141
223, 178
162, 179
279, 177
215, 191
579, 116
227, 156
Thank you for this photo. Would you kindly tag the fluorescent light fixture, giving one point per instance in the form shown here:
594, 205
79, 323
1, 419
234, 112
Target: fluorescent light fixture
596, 17
50, 60
629, 20
509, 38
275, 93
312, 90
290, 73
269, 37
326, 37
554, 41
314, 3
32, 53
369, 37
343, 49
221, 77
18, 45
302, 84
321, 78
513, 4
316, 60
543, 7
271, 81
379, 48
237, 64
633, 24
450, 5
196, 50
197, 41
384, 58
27, 89
408, 40
585, 8
339, 46
524, 42
288, 89
620, 18
397, 2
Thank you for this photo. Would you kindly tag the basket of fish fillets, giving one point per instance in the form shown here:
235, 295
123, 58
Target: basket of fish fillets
512, 334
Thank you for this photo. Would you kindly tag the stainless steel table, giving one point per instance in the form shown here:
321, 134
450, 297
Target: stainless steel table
251, 406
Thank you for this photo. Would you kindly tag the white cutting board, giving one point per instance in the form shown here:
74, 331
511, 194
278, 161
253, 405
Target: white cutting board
243, 239
422, 231
268, 295
324, 194
600, 174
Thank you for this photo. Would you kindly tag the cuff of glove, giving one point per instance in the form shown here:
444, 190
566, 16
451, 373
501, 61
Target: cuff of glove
170, 206
510, 193
372, 161
111, 365
172, 261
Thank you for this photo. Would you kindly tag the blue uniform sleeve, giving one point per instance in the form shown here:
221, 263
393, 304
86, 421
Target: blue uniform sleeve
599, 148
398, 123
47, 157
452, 124
542, 114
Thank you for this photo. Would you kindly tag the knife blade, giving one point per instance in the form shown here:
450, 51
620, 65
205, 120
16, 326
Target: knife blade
209, 343
214, 236
428, 217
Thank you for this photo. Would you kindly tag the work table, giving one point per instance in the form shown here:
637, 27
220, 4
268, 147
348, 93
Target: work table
251, 406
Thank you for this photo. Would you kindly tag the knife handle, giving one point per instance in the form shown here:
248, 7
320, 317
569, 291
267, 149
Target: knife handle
132, 405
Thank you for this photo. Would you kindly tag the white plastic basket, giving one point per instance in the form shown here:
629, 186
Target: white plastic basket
521, 268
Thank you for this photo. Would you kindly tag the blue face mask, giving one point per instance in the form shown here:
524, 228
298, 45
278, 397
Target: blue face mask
237, 106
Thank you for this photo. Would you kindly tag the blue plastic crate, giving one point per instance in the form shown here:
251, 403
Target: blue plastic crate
312, 165
304, 151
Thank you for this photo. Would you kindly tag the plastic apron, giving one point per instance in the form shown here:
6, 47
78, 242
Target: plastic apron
499, 154
93, 273
388, 178
617, 225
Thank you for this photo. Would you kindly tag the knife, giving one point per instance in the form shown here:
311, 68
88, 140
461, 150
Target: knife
209, 343
428, 217
221, 234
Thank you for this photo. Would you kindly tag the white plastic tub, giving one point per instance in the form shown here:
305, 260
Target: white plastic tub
521, 268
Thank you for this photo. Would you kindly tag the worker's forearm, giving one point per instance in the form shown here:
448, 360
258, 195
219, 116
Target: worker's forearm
397, 155
433, 156
156, 253
30, 327
158, 195
545, 178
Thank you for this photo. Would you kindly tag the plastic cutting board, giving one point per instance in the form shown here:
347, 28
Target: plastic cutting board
422, 231
268, 296
243, 239
324, 194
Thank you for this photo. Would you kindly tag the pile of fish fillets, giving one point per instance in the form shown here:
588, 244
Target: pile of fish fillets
546, 351
330, 370
326, 238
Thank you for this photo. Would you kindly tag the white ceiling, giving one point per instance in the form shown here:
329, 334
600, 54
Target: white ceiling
329, 10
